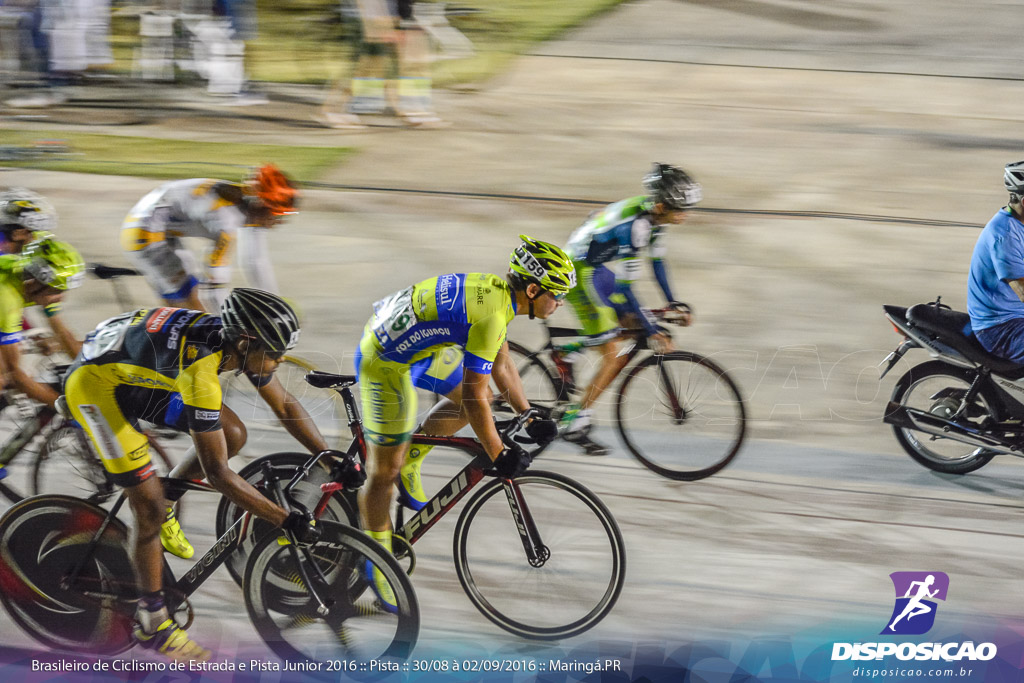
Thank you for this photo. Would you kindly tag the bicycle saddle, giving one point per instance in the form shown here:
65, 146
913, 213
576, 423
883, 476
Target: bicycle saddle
328, 380
107, 272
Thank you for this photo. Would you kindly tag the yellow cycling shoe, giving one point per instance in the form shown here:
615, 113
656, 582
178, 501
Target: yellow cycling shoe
171, 641
173, 538
410, 485
377, 580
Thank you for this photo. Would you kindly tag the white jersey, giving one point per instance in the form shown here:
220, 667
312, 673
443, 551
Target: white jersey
195, 208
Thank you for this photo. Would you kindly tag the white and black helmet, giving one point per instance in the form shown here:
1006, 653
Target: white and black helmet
673, 187
260, 316
1013, 177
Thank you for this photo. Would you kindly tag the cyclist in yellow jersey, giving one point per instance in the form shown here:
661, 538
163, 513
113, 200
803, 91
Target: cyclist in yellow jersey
446, 335
161, 365
40, 275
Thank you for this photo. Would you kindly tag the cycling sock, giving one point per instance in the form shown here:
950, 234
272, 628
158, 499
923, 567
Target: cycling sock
382, 537
411, 492
151, 612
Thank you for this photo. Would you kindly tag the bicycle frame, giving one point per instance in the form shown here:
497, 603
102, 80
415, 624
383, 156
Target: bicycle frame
192, 579
450, 494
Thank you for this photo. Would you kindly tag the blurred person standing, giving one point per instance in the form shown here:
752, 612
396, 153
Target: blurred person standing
391, 72
241, 14
215, 210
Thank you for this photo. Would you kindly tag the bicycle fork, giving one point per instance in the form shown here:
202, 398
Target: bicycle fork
537, 554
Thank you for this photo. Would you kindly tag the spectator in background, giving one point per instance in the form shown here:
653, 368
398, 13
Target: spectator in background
391, 73
242, 16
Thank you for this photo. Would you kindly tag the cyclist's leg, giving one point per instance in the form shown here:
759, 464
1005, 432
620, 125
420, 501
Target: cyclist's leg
441, 373
157, 258
124, 451
591, 301
389, 416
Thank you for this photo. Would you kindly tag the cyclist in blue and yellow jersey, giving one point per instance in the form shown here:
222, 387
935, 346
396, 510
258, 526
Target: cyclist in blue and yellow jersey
446, 335
606, 251
161, 365
215, 210
40, 275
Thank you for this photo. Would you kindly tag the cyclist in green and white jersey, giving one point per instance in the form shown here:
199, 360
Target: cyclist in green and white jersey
607, 251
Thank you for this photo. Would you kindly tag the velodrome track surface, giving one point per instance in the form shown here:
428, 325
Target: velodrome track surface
777, 107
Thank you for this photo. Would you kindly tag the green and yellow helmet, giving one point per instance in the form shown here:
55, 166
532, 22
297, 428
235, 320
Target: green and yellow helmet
544, 264
53, 263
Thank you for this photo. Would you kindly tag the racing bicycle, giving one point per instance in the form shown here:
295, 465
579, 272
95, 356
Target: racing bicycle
680, 413
66, 579
539, 555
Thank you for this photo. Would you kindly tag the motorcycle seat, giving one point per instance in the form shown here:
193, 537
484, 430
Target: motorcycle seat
954, 329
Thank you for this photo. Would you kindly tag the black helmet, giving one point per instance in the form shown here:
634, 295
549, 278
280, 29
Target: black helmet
1013, 177
673, 187
260, 316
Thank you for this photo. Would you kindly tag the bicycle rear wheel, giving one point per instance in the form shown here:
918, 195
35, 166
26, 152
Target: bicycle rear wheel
540, 382
321, 404
341, 508
681, 415
67, 464
286, 615
566, 593
42, 539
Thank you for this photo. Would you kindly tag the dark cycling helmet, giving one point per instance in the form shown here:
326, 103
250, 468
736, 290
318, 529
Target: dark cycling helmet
673, 187
275, 190
259, 316
1013, 177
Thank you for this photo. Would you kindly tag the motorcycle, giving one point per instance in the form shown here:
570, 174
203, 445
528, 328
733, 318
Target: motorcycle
955, 413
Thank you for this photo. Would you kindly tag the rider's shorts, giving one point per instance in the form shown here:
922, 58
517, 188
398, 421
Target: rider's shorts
388, 388
155, 256
591, 300
110, 412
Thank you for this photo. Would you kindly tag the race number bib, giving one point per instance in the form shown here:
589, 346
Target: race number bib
393, 316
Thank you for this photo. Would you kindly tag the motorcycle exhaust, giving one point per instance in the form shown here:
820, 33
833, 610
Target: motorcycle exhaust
912, 418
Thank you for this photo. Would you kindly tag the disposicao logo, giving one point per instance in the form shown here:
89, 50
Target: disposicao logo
914, 614
916, 593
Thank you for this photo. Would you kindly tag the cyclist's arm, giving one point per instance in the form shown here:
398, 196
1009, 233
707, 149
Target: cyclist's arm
478, 410
212, 449
10, 355
506, 377
254, 258
292, 415
68, 342
660, 269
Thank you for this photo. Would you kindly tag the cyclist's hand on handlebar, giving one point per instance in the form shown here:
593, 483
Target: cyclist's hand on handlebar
512, 462
679, 313
542, 430
660, 343
346, 470
303, 529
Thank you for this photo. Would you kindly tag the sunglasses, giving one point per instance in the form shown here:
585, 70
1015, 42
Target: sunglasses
556, 297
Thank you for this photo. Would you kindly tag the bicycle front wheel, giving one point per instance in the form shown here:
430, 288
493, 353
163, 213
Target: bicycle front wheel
42, 540
355, 626
66, 464
681, 415
321, 404
574, 580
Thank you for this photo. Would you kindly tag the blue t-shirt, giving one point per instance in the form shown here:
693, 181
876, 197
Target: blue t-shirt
998, 257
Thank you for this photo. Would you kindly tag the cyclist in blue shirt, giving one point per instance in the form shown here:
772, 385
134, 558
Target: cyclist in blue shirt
995, 284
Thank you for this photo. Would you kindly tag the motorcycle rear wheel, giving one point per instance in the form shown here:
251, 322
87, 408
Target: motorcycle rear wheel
917, 389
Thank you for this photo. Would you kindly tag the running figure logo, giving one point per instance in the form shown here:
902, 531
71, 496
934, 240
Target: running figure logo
916, 592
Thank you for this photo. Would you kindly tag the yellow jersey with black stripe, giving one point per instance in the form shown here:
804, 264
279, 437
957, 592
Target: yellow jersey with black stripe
150, 352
